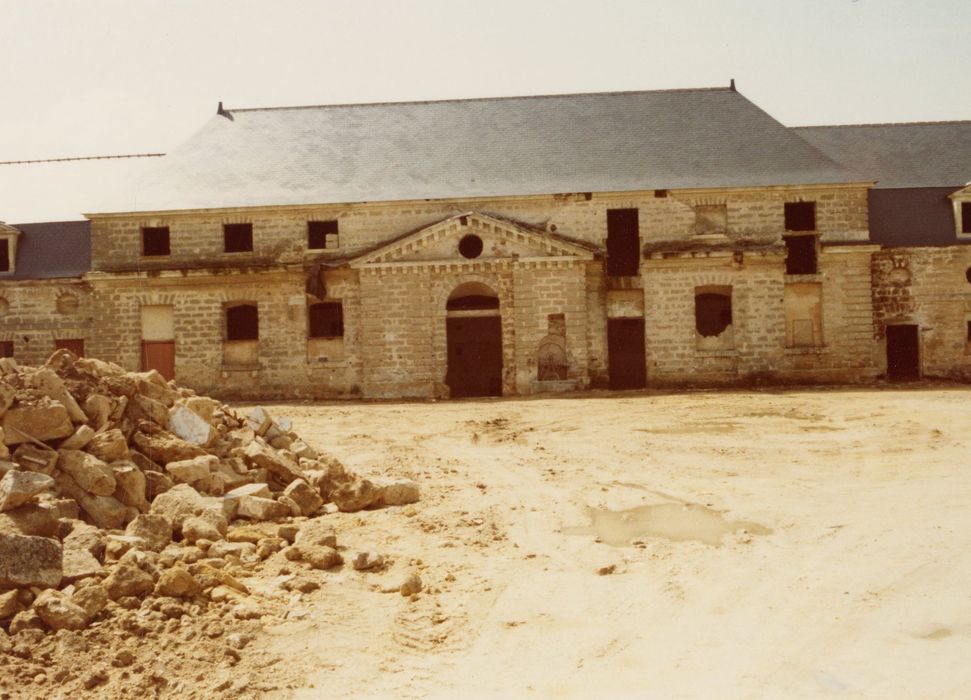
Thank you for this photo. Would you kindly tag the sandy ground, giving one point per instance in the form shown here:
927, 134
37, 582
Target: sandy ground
775, 544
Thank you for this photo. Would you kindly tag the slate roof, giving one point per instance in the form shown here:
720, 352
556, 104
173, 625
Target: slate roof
601, 142
915, 155
52, 250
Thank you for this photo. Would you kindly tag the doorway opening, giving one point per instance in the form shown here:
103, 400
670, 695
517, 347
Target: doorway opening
626, 357
473, 330
903, 353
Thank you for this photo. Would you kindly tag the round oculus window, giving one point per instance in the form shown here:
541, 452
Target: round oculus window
470, 246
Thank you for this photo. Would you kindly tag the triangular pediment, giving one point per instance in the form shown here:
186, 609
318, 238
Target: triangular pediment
501, 239
963, 194
6, 230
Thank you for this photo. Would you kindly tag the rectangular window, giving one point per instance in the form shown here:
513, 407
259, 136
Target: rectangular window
800, 255
6, 348
155, 240
75, 345
242, 322
965, 217
322, 234
238, 238
326, 320
623, 242
969, 337
800, 216
4, 256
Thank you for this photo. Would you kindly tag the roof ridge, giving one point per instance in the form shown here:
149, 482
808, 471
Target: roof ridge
479, 99
882, 124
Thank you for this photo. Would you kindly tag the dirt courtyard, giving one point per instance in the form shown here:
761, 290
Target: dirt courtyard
700, 544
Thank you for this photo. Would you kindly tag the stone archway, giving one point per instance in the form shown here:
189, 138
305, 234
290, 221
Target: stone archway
473, 328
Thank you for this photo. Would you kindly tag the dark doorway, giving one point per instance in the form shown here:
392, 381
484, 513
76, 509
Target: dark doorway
903, 353
474, 356
159, 355
625, 353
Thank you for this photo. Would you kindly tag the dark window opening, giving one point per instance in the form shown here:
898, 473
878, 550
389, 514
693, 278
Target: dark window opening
242, 322
660, 194
6, 348
326, 320
623, 242
800, 216
965, 217
470, 246
473, 302
969, 331
800, 255
155, 240
4, 256
967, 274
321, 234
238, 238
713, 313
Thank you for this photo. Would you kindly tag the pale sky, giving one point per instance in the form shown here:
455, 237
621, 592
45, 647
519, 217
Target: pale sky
134, 76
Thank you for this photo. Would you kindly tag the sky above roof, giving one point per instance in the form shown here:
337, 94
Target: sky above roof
115, 77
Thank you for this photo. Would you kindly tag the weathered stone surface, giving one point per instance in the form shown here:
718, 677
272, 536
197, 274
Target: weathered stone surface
305, 496
260, 490
355, 495
45, 380
319, 556
130, 485
79, 564
44, 420
98, 408
9, 604
196, 528
398, 493
59, 612
35, 458
259, 420
26, 620
30, 561
128, 580
18, 487
82, 436
209, 576
141, 407
86, 537
156, 483
109, 446
117, 546
92, 599
190, 426
316, 532
154, 529
164, 447
224, 549
256, 508
177, 504
303, 450
90, 473
411, 585
177, 583
258, 454
6, 397
190, 471
364, 561
64, 508
30, 519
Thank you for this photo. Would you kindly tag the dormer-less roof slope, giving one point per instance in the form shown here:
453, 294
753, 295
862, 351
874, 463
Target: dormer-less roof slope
916, 155
52, 250
483, 148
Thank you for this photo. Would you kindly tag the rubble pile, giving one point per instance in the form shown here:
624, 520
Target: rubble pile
120, 491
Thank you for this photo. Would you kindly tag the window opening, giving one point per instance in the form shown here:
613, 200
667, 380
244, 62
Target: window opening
6, 348
4, 256
711, 219
965, 217
242, 322
800, 255
322, 234
623, 242
470, 246
326, 320
713, 313
800, 216
75, 345
238, 238
155, 240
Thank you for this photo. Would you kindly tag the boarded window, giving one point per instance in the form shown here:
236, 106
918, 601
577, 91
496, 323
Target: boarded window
711, 219
713, 313
326, 320
238, 238
965, 217
322, 234
75, 345
4, 256
800, 255
155, 240
623, 242
242, 322
6, 348
800, 216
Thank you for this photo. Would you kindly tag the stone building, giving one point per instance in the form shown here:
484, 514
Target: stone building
513, 246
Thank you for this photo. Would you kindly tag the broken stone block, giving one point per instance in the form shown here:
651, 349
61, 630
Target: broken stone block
177, 504
30, 561
6, 397
41, 421
303, 450
47, 382
305, 496
189, 471
368, 560
19, 487
79, 564
143, 408
164, 447
98, 408
196, 528
104, 511
9, 604
316, 532
156, 484
177, 583
398, 493
290, 504
155, 530
130, 485
190, 426
319, 556
117, 546
127, 579
260, 455
259, 420
223, 548
58, 611
33, 519
109, 446
35, 458
92, 599
261, 490
84, 536
26, 620
256, 508
64, 508
82, 436
144, 463
90, 473
355, 495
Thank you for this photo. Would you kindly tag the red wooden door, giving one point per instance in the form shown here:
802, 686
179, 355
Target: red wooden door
74, 345
159, 355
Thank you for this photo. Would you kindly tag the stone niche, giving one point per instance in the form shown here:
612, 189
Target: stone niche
552, 359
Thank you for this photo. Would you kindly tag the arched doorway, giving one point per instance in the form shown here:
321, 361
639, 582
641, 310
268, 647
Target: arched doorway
474, 332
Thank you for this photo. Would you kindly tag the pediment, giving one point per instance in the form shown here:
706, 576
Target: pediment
7, 231
962, 195
501, 239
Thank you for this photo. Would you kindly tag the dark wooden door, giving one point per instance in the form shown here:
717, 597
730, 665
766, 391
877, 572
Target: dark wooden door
75, 345
903, 353
626, 358
474, 356
159, 355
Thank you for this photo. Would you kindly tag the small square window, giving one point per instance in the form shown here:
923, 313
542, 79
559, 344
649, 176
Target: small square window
800, 216
6, 348
238, 238
155, 240
800, 255
965, 217
4, 256
326, 320
322, 234
242, 322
